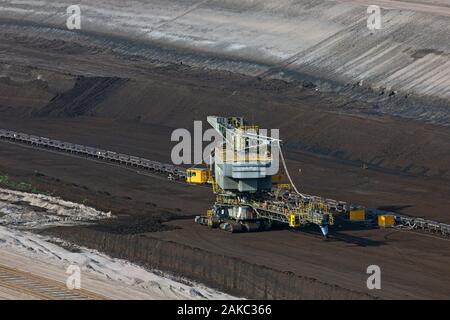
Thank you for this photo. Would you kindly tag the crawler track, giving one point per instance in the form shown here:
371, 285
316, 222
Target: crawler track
41, 288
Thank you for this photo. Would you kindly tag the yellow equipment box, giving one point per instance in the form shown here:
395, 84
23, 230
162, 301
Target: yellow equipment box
294, 220
355, 215
386, 220
197, 175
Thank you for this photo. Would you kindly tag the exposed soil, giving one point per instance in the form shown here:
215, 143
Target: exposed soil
132, 106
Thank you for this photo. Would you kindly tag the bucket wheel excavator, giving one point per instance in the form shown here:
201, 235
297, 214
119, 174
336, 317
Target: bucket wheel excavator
244, 175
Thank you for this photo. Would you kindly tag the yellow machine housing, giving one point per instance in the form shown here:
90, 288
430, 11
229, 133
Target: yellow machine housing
386, 220
197, 175
359, 214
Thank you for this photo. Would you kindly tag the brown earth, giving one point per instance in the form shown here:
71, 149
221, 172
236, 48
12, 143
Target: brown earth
131, 105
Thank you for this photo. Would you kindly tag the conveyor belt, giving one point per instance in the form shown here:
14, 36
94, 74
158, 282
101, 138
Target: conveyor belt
91, 152
421, 224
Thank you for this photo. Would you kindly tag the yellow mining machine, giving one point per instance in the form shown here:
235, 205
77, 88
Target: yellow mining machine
250, 195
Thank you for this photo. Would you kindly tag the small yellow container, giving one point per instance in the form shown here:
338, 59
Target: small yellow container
357, 215
197, 175
386, 220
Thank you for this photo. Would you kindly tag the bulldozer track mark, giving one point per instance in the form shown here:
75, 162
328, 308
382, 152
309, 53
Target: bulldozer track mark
40, 287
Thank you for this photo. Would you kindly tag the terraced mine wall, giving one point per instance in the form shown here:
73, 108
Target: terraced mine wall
232, 275
403, 69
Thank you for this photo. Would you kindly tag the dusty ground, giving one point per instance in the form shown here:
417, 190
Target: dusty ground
402, 69
101, 277
143, 202
131, 104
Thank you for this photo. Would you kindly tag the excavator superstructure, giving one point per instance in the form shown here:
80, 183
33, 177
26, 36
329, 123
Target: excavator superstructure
243, 172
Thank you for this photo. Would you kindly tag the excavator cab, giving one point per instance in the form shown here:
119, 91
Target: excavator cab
197, 175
